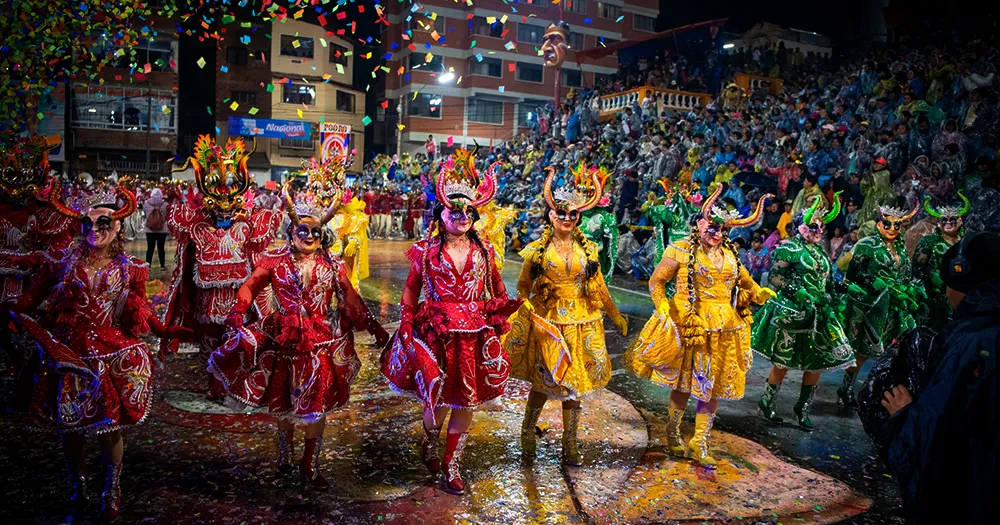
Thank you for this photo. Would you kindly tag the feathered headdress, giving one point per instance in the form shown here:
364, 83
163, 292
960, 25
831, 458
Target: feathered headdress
327, 180
581, 191
103, 196
947, 211
25, 165
828, 217
221, 173
733, 219
458, 179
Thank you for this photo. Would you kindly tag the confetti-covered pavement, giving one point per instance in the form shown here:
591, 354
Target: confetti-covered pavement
197, 462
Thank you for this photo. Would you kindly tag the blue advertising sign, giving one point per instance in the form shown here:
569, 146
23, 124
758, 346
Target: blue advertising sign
276, 129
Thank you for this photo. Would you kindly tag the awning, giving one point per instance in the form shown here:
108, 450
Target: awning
599, 52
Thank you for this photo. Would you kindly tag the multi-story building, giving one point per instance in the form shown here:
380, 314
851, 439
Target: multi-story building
125, 122
497, 76
241, 86
312, 72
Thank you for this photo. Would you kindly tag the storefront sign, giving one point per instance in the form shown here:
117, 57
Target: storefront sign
276, 129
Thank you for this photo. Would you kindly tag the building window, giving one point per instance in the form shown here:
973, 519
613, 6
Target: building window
643, 23
421, 23
539, 3
572, 78
244, 98
577, 6
529, 72
485, 111
606, 10
338, 54
298, 94
425, 105
530, 34
156, 53
489, 67
296, 46
237, 55
124, 109
345, 101
528, 108
482, 28
419, 63
296, 144
575, 41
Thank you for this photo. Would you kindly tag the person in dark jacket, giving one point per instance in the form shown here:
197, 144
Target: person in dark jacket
942, 440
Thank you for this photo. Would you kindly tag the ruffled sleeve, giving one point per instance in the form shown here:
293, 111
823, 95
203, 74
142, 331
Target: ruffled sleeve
137, 313
416, 252
679, 251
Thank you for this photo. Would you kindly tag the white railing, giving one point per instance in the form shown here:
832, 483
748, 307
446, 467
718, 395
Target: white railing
670, 99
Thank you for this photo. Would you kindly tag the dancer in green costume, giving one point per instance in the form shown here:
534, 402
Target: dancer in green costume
800, 327
927, 260
882, 295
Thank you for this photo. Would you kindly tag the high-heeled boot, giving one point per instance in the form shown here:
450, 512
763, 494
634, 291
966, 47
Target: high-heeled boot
451, 480
767, 406
801, 408
529, 439
429, 448
699, 442
78, 498
111, 498
845, 394
309, 464
571, 450
674, 441
286, 450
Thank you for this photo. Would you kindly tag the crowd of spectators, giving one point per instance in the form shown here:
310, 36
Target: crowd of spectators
884, 126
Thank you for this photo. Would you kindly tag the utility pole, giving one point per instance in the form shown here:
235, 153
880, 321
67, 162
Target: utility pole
149, 122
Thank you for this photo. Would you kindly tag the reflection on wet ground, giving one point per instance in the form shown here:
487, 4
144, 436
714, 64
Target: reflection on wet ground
197, 462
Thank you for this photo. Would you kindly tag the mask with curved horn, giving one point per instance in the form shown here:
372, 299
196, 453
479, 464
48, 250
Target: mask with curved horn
807, 216
947, 211
582, 190
458, 179
830, 217
707, 208
101, 197
289, 204
753, 217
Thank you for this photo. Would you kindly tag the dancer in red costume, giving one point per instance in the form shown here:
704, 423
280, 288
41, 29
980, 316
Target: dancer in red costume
218, 241
87, 312
29, 226
299, 359
447, 351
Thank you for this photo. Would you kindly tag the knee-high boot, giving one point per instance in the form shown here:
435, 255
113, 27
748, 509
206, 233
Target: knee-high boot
452, 478
699, 442
529, 439
571, 424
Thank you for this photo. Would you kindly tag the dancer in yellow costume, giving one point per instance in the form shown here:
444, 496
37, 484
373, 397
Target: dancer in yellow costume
351, 227
557, 339
698, 343
492, 224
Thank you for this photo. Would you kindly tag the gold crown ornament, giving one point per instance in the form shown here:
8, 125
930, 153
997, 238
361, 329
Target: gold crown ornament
221, 173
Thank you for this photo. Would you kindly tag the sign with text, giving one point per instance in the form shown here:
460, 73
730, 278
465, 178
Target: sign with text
275, 129
336, 140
